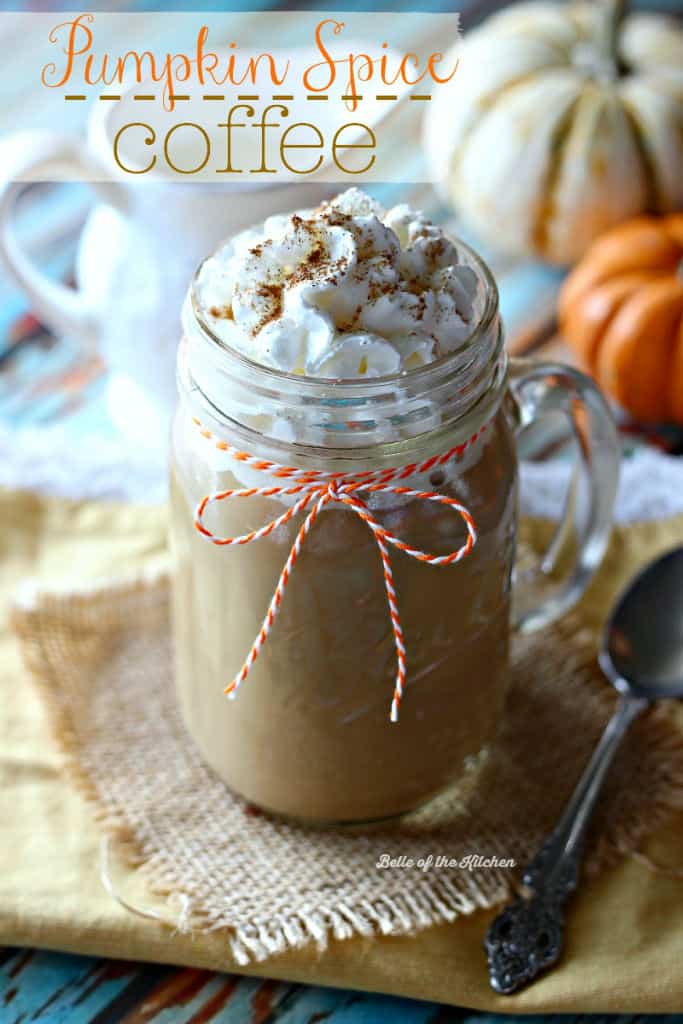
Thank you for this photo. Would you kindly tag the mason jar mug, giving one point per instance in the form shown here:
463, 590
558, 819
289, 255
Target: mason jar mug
344, 556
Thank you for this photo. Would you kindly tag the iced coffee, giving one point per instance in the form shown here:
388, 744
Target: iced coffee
361, 346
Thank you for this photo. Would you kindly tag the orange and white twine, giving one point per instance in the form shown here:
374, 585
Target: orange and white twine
317, 490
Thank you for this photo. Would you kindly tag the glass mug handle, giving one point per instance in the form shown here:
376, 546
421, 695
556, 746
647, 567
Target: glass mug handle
552, 391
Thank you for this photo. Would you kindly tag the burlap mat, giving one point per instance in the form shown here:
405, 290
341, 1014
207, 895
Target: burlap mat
103, 658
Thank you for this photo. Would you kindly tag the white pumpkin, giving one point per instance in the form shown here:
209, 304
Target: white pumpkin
561, 120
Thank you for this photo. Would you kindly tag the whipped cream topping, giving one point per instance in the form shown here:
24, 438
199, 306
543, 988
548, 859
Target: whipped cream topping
348, 290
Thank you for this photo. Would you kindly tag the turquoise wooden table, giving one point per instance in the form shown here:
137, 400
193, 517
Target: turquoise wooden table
43, 381
53, 988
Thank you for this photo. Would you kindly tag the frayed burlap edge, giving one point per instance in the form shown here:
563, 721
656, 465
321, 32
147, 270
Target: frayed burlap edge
129, 849
437, 903
434, 902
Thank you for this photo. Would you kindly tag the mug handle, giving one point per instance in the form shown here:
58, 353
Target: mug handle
545, 591
49, 157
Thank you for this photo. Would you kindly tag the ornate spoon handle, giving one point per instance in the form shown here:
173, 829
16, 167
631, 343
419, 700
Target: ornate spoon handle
526, 938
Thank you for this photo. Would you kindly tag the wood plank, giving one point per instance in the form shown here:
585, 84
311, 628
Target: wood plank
57, 987
200, 997
54, 988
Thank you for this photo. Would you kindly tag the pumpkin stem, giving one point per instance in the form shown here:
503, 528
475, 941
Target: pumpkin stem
613, 14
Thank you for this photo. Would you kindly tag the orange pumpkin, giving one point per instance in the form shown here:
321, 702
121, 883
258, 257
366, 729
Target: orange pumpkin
621, 310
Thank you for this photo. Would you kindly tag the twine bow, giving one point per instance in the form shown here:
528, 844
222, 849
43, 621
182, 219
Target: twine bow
316, 490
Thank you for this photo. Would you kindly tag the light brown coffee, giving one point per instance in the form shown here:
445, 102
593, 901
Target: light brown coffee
308, 734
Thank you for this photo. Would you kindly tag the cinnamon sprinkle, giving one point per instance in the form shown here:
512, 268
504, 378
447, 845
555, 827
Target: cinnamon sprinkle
273, 293
222, 312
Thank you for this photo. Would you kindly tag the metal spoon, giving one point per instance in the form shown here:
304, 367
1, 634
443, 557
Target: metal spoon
642, 656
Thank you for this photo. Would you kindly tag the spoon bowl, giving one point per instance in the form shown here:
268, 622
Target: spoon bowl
642, 649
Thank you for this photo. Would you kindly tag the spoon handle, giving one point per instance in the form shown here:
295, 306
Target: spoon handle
526, 938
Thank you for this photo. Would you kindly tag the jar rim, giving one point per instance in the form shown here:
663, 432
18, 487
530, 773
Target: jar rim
329, 414
350, 387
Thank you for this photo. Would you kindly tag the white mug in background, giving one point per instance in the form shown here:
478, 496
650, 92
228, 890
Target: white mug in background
140, 245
